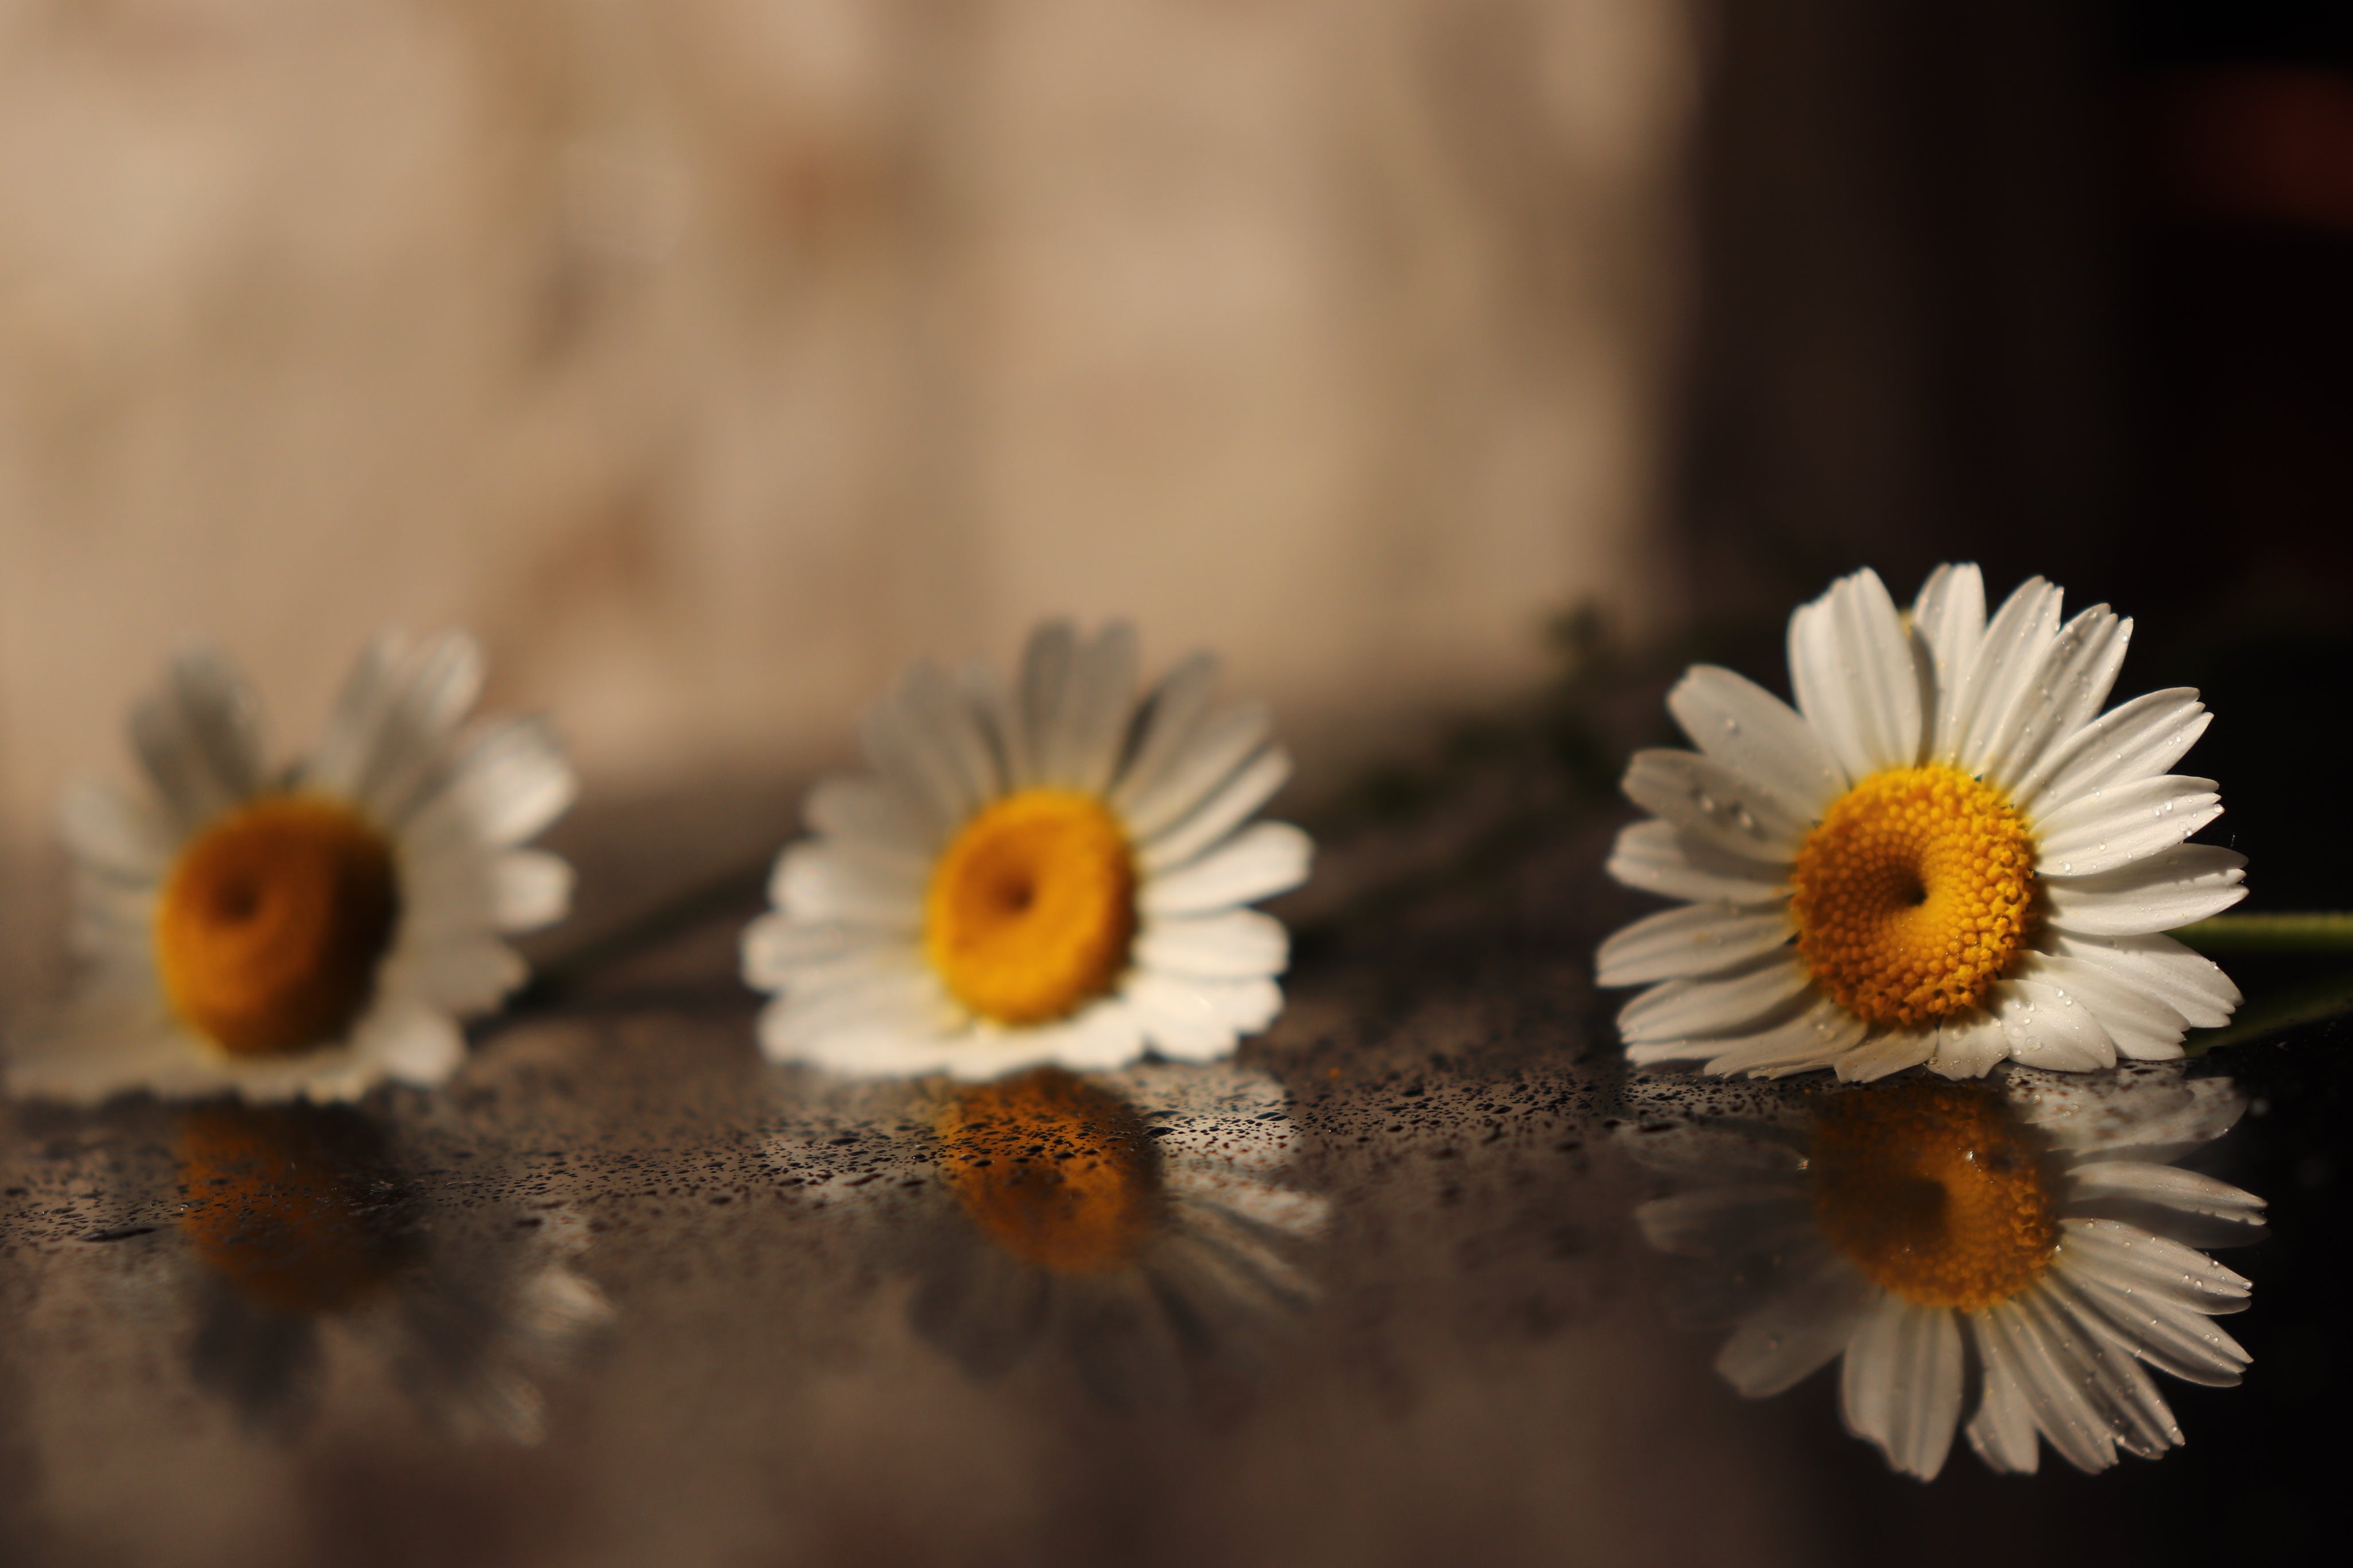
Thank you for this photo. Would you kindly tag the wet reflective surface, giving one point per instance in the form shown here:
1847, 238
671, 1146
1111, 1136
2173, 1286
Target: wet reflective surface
1384, 1289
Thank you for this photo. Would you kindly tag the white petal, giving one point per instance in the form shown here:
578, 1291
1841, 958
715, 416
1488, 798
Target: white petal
506, 786
1038, 695
1816, 1037
2052, 1386
1756, 735
1856, 676
1891, 1051
872, 814
2159, 968
1237, 944
1947, 622
425, 696
1182, 1022
1223, 811
778, 951
1263, 859
2121, 1394
2135, 740
2002, 1431
1969, 1045
409, 1042
2048, 1028
1655, 858
2172, 888
1101, 703
2169, 1186
2118, 828
1901, 1385
935, 730
462, 975
1798, 1332
1163, 726
2142, 1027
114, 833
891, 1026
1695, 939
2070, 682
1715, 806
530, 889
924, 765
200, 737
2009, 657
821, 881
1208, 756
2149, 1113
1689, 1010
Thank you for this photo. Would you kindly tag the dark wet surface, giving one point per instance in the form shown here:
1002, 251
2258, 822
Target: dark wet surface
612, 1297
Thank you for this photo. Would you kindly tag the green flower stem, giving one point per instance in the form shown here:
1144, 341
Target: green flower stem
2321, 932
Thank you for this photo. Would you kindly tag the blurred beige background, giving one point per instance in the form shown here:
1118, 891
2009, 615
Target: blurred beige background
711, 358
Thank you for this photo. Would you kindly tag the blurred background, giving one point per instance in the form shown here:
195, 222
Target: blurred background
710, 358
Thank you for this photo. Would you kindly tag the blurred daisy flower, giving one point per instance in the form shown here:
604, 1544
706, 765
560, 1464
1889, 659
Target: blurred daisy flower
310, 931
1137, 1221
2033, 1223
1055, 874
1946, 854
303, 1235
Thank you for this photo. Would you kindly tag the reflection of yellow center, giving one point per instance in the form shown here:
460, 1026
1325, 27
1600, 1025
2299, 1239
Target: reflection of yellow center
1914, 894
291, 1204
1935, 1191
271, 923
1032, 908
1055, 1171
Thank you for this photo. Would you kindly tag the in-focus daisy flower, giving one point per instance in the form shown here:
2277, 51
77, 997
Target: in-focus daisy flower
2031, 1224
1135, 1220
309, 932
1056, 874
304, 1235
1946, 854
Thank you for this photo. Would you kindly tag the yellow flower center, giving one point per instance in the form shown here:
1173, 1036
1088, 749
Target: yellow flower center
1913, 895
293, 1204
1032, 908
1058, 1173
272, 921
1935, 1191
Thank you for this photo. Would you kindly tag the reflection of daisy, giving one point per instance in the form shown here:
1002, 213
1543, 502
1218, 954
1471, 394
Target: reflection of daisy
1133, 1218
2032, 1220
1941, 856
311, 932
1058, 874
305, 1230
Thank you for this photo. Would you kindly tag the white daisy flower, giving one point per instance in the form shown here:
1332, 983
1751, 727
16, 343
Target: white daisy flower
1059, 874
302, 1241
2033, 1225
307, 933
1941, 856
1136, 1221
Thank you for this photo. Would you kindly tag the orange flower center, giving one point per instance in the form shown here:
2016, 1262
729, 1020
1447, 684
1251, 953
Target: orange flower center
273, 923
1058, 1173
1031, 909
1934, 1191
1913, 895
293, 1204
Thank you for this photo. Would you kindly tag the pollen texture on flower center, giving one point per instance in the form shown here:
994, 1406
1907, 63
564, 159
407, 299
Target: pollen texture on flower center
295, 1205
1031, 909
271, 924
1058, 1173
1914, 894
1934, 1191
